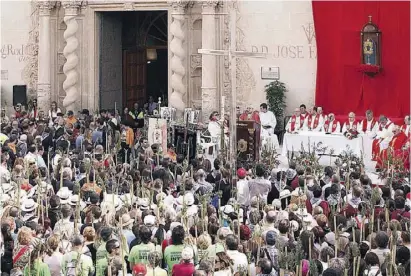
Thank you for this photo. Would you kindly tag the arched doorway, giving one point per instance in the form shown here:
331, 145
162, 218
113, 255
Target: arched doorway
133, 58
145, 59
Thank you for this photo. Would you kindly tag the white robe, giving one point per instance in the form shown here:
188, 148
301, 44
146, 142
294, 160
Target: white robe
267, 135
368, 129
345, 127
214, 128
297, 124
330, 128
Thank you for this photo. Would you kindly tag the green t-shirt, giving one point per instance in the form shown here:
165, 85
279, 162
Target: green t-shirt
139, 253
101, 252
172, 255
38, 269
101, 266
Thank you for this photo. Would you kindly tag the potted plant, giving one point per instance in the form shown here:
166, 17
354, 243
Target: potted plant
275, 95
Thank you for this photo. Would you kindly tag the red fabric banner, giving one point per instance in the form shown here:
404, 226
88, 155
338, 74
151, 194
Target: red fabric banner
341, 88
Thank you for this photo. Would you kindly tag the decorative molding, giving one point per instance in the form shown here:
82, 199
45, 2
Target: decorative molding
195, 62
209, 3
45, 7
128, 6
71, 7
61, 60
30, 71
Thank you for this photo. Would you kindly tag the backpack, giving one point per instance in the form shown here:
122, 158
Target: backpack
74, 266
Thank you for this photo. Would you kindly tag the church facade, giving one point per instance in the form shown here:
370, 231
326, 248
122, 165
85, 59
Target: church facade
68, 52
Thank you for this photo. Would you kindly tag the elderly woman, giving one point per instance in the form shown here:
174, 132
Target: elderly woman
21, 252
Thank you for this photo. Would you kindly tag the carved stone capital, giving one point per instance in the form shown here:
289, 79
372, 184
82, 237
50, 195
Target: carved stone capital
45, 7
71, 7
178, 5
209, 3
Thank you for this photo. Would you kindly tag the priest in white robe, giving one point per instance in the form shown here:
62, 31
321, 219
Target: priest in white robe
268, 123
331, 125
314, 121
352, 123
370, 125
296, 122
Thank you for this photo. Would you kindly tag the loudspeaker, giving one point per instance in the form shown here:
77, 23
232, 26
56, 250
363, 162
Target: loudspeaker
19, 95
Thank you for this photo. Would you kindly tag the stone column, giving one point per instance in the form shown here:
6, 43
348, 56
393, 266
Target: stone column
44, 56
209, 62
71, 9
178, 53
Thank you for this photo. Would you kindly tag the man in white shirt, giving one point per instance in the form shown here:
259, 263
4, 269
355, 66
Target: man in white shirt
242, 188
239, 259
296, 122
331, 125
369, 125
351, 124
315, 121
268, 123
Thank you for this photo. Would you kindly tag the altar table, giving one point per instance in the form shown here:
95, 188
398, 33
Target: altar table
337, 142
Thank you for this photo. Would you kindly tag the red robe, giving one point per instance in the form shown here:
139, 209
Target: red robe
376, 143
250, 117
396, 149
404, 128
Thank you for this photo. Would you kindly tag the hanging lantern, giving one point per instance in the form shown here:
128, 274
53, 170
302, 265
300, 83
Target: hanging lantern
151, 54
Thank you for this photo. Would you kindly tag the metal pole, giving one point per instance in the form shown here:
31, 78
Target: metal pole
233, 106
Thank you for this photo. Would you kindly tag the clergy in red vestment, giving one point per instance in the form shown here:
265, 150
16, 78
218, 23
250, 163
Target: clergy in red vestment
370, 124
398, 147
250, 115
406, 126
351, 124
314, 121
296, 122
331, 125
303, 110
384, 133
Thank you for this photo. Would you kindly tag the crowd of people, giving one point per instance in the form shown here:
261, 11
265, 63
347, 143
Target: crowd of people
87, 195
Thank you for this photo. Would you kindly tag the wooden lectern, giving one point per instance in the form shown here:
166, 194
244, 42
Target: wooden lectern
248, 141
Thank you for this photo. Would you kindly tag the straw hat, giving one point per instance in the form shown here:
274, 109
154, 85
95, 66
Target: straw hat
188, 199
150, 220
64, 194
28, 205
126, 219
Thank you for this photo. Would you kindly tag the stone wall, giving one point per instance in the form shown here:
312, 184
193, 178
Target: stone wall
284, 30
15, 18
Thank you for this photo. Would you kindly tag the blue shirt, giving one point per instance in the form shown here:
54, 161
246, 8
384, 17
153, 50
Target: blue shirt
79, 141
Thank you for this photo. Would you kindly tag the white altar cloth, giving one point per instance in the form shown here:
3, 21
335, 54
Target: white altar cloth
292, 142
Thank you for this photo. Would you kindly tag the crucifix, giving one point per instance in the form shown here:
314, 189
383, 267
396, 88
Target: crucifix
232, 54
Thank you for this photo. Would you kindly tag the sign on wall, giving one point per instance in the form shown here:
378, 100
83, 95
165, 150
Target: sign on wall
270, 73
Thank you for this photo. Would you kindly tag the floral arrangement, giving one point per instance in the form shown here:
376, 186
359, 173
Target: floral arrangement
269, 157
349, 161
369, 69
309, 157
393, 168
351, 134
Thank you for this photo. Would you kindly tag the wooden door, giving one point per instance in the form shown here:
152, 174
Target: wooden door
134, 77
